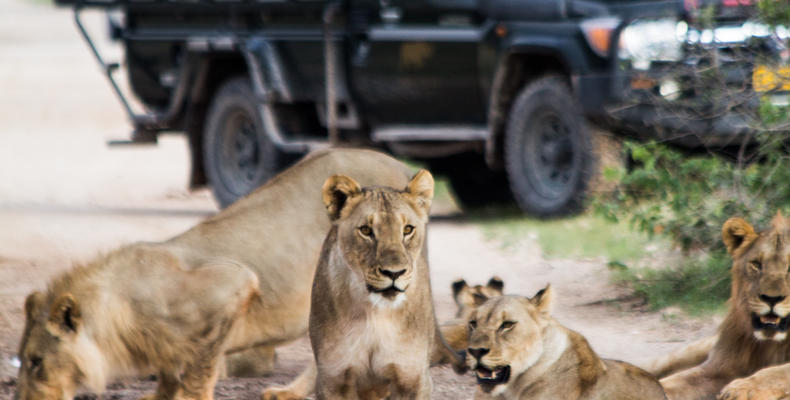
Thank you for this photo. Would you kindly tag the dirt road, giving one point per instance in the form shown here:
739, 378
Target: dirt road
65, 196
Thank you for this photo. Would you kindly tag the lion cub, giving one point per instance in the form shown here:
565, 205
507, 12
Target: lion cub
519, 351
372, 323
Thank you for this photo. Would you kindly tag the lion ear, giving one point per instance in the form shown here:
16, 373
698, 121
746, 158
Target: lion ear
496, 283
65, 314
336, 192
33, 304
458, 286
544, 300
421, 188
737, 233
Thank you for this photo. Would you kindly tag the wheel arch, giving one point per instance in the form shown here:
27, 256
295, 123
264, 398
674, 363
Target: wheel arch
519, 66
214, 69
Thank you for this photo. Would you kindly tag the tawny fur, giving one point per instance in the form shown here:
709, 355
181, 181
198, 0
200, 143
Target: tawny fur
691, 355
467, 299
746, 362
137, 310
274, 234
369, 344
517, 337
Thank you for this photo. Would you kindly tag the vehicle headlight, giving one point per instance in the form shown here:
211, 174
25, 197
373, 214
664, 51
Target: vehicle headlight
645, 41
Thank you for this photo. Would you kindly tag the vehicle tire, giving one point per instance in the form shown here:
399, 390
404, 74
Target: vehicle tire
237, 153
473, 184
549, 154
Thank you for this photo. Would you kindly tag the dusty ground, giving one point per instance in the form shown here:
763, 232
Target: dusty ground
65, 196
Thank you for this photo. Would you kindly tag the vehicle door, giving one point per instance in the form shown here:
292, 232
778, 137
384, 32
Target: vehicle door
416, 61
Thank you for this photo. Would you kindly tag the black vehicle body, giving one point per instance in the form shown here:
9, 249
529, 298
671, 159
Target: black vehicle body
438, 80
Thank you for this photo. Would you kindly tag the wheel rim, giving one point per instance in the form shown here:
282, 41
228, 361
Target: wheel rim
241, 156
552, 158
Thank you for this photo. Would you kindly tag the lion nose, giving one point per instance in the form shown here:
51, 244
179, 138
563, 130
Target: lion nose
392, 274
771, 300
478, 353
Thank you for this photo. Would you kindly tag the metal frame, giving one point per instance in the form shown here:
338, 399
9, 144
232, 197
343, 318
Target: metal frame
148, 123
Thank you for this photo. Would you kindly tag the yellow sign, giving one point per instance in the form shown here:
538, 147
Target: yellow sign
414, 55
765, 78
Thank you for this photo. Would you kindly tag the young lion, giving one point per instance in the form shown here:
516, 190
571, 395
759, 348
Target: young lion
167, 308
751, 356
520, 352
468, 298
372, 323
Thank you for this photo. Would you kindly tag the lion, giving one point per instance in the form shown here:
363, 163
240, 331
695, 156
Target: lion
468, 298
749, 359
518, 351
171, 307
372, 324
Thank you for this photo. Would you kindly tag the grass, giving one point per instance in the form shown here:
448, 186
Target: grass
584, 236
697, 284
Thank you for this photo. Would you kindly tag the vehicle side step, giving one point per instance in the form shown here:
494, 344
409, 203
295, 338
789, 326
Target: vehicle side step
412, 133
138, 137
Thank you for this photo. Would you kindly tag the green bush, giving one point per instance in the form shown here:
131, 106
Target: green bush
688, 197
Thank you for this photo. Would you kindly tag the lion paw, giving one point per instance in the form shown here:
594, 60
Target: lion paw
753, 389
279, 394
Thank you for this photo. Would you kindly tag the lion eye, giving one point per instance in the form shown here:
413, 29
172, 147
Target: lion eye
408, 229
506, 325
756, 265
366, 231
35, 363
472, 324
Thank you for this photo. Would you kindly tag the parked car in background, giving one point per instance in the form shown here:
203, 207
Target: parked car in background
495, 94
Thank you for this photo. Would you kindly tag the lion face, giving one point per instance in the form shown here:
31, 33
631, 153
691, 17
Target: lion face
506, 337
49, 367
467, 298
381, 232
760, 275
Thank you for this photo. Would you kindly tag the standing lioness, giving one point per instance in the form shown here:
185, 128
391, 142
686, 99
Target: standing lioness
372, 323
519, 351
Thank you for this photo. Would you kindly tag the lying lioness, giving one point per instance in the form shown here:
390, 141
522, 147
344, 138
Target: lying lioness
468, 298
519, 351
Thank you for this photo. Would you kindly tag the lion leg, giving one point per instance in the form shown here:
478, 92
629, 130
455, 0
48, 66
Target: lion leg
766, 384
299, 388
418, 387
689, 356
168, 388
339, 386
696, 383
199, 379
236, 286
255, 362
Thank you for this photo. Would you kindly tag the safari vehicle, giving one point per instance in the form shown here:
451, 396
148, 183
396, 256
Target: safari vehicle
495, 94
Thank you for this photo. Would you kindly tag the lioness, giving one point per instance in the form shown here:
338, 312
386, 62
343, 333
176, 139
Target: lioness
372, 324
165, 307
750, 358
520, 352
468, 298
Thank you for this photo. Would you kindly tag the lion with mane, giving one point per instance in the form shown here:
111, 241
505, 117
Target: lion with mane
751, 355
